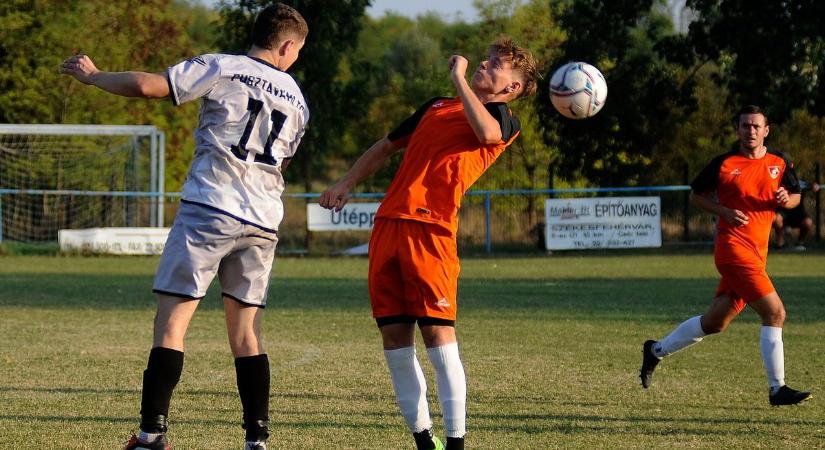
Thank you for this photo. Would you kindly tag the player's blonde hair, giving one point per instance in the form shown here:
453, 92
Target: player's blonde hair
522, 61
277, 23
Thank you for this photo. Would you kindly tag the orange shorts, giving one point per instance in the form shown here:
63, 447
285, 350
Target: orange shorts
413, 272
743, 283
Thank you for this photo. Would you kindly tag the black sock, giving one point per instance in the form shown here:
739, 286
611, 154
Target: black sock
424, 440
253, 387
455, 443
159, 380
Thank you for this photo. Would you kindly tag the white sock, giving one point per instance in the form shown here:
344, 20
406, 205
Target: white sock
452, 388
686, 334
410, 387
773, 356
147, 438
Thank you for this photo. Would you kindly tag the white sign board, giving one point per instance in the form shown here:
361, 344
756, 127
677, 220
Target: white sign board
354, 216
116, 241
592, 223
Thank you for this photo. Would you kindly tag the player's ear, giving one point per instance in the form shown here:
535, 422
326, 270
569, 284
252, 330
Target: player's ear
767, 129
284, 47
514, 86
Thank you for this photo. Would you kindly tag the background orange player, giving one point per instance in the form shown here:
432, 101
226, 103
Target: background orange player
750, 182
414, 266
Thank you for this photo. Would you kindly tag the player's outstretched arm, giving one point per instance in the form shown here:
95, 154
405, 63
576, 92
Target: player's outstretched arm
126, 84
338, 194
731, 216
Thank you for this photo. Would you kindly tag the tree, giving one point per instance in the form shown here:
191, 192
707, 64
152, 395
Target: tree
772, 52
333, 31
647, 96
149, 35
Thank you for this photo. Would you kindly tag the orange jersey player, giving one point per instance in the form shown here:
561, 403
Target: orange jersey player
414, 267
750, 183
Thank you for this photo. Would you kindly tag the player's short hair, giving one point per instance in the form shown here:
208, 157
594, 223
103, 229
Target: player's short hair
277, 23
522, 61
750, 109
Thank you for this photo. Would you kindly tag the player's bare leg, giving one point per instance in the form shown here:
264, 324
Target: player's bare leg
772, 312
715, 320
442, 350
243, 326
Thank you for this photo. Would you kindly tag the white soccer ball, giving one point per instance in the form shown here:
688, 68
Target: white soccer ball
578, 90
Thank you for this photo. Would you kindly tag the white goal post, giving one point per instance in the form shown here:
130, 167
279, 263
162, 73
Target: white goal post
79, 176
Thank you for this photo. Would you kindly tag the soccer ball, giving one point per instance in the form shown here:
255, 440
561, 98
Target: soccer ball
578, 90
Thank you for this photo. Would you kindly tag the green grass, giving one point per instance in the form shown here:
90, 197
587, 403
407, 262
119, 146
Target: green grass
551, 348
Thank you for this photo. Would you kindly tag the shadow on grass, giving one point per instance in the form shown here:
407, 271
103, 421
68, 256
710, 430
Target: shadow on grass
610, 298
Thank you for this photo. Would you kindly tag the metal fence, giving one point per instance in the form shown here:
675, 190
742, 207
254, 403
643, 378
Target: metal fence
489, 221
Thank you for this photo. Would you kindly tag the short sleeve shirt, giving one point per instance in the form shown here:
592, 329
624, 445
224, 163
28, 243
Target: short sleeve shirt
443, 158
748, 185
252, 118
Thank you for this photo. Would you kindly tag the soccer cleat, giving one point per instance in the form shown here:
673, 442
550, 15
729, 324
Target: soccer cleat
788, 396
649, 362
424, 440
160, 444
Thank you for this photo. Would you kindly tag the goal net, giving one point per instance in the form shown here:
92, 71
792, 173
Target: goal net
55, 177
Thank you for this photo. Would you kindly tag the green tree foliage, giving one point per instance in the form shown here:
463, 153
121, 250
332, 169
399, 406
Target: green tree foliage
333, 31
646, 99
772, 52
128, 35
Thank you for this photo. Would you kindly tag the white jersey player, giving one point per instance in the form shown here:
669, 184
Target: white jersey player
252, 118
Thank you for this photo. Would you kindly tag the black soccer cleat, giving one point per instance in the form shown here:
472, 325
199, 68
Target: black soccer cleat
788, 396
649, 362
159, 444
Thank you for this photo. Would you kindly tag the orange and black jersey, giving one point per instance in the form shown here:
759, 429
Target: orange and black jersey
443, 158
748, 185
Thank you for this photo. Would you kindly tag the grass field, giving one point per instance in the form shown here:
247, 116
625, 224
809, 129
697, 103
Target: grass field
551, 348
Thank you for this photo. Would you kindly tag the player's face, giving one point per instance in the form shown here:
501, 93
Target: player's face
493, 75
753, 129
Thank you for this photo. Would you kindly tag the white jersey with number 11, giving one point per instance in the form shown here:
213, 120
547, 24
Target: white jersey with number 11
252, 118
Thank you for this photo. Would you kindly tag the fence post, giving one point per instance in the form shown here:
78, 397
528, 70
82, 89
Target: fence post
488, 244
818, 180
686, 212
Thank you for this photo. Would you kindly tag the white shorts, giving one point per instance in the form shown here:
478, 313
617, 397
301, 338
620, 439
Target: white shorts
203, 242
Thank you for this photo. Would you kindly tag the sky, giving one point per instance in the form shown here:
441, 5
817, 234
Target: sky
449, 10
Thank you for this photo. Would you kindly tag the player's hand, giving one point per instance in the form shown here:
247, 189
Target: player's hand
457, 65
335, 197
782, 196
79, 66
735, 217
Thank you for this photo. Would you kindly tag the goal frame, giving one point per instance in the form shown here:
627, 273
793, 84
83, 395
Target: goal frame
157, 161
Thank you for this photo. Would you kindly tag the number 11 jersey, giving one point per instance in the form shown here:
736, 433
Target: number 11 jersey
252, 118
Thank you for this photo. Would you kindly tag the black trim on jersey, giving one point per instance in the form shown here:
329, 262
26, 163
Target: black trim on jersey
422, 321
789, 178
264, 62
175, 294
409, 124
508, 123
172, 95
708, 178
230, 296
244, 221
